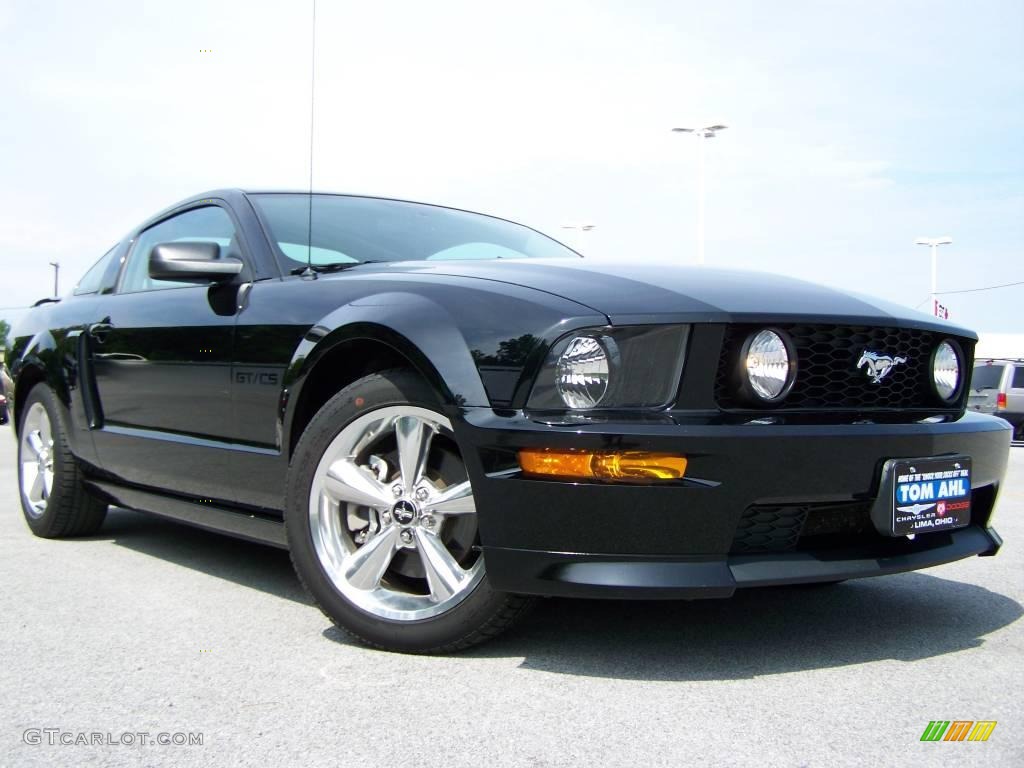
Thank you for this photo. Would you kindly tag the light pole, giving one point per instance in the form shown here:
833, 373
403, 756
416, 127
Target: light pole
582, 227
708, 132
934, 243
56, 276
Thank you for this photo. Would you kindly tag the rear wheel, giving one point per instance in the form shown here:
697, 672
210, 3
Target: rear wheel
382, 522
53, 496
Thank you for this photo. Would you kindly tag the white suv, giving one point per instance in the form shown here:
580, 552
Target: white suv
997, 387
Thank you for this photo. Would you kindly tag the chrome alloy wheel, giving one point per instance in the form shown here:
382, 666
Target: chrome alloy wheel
36, 460
392, 515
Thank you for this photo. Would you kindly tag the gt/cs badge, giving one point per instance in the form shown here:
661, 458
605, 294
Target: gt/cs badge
878, 366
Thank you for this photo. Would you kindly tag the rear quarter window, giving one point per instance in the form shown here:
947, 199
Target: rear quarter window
93, 280
1018, 377
987, 376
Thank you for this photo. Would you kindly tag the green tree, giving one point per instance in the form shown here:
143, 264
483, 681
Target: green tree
510, 351
5, 328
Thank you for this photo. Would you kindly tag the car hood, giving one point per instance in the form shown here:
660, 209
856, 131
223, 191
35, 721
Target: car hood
630, 292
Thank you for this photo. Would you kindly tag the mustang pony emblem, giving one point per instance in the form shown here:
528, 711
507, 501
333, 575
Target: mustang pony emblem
878, 365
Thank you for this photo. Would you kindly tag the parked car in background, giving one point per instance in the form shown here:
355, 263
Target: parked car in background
3, 409
441, 414
997, 387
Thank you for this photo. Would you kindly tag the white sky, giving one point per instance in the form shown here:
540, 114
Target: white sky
854, 127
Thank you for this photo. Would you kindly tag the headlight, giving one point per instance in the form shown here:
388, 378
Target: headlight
770, 372
582, 375
626, 367
946, 371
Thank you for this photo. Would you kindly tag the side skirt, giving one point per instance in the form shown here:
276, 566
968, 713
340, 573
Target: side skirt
240, 524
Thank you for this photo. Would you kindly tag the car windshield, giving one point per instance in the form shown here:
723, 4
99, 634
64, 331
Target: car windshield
986, 376
363, 229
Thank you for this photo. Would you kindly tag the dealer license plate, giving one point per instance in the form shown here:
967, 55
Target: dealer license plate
930, 494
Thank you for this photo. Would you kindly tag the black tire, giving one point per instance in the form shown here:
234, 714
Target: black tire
481, 615
70, 509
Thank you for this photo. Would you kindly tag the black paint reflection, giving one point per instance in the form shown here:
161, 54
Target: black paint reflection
501, 370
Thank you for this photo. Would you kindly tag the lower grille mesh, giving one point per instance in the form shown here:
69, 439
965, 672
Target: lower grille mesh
786, 527
769, 529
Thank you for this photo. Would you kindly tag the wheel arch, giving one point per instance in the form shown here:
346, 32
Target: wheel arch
38, 364
397, 330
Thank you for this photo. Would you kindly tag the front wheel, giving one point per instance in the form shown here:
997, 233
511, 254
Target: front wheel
382, 523
53, 496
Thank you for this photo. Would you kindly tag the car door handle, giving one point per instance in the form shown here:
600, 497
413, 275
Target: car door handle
100, 330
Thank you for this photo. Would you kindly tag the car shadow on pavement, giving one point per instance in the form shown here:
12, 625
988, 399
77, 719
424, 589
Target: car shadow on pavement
758, 632
245, 563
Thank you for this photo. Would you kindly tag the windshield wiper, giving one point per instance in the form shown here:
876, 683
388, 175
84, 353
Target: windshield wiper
338, 266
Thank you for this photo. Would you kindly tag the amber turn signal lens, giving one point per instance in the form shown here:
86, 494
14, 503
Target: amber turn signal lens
622, 465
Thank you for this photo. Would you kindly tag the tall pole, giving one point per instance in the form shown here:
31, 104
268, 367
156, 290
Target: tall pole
581, 228
700, 200
702, 134
56, 278
933, 244
935, 273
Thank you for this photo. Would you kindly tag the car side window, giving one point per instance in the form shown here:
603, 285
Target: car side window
92, 280
209, 224
1018, 377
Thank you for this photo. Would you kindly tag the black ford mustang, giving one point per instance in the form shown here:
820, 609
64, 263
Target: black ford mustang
441, 413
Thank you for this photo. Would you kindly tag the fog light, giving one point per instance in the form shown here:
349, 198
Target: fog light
946, 371
768, 365
623, 465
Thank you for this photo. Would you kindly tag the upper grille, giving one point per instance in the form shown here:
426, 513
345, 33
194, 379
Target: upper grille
826, 368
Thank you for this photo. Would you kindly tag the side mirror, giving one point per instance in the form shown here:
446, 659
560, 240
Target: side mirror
191, 262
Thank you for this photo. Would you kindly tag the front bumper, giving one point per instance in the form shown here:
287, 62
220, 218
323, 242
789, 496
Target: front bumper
677, 540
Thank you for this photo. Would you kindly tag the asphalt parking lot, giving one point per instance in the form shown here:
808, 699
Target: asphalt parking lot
153, 627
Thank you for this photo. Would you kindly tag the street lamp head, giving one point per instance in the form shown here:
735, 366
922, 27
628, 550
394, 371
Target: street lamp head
707, 132
933, 240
